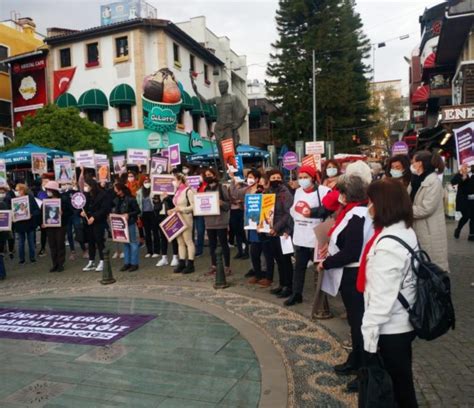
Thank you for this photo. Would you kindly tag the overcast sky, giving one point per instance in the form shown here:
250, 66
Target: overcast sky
250, 25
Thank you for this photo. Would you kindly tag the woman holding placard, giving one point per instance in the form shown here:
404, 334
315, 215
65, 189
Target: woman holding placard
150, 224
162, 203
5, 205
184, 202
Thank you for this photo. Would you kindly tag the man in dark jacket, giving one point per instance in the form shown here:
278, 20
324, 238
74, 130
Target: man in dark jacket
465, 182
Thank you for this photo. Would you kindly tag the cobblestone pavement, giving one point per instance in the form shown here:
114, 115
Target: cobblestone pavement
444, 368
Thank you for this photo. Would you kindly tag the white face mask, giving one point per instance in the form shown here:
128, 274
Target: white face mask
185, 170
305, 183
413, 170
331, 172
250, 181
17, 193
87, 189
396, 173
146, 185
49, 193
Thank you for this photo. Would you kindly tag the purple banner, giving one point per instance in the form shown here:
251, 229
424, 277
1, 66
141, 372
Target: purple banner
89, 328
174, 155
400, 148
290, 161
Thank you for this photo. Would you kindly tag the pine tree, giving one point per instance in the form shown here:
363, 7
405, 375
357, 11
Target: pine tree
334, 30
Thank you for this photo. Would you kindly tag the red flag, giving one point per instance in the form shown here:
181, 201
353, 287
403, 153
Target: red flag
62, 80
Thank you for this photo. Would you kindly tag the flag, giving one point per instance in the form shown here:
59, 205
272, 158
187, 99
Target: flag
62, 80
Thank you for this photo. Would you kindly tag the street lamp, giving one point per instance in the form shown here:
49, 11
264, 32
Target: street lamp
316, 72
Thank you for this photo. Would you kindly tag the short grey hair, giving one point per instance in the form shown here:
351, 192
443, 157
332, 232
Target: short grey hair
353, 187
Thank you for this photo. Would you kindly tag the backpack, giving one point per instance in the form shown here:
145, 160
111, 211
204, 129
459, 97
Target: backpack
432, 314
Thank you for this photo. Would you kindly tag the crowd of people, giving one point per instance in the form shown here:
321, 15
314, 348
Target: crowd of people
356, 207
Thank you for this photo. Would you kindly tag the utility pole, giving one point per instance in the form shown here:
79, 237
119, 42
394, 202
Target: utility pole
314, 97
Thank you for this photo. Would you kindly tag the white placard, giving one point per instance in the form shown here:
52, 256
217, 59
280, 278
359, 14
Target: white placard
314, 147
206, 203
85, 158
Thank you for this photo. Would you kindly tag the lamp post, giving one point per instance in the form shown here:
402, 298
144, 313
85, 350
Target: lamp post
315, 71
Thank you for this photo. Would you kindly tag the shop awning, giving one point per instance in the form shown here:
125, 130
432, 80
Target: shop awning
22, 155
207, 109
93, 99
430, 61
187, 103
246, 151
66, 100
421, 94
122, 94
198, 108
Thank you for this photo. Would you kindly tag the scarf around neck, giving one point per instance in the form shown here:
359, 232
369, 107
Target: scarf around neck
348, 207
361, 275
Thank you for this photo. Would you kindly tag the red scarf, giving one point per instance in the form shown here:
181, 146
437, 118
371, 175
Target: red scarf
361, 275
343, 213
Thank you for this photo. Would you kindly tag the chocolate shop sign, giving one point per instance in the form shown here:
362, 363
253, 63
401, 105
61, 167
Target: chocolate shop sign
458, 113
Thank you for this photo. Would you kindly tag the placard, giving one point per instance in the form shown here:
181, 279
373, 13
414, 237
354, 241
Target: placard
400, 148
193, 182
120, 164
85, 158
206, 203
267, 213
290, 161
63, 173
228, 154
174, 154
39, 163
78, 200
102, 170
162, 184
159, 165
313, 160
5, 220
173, 226
138, 157
3, 173
21, 209
464, 137
119, 228
253, 206
52, 212
314, 148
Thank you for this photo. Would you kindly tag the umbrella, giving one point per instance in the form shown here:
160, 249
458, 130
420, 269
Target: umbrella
246, 151
22, 155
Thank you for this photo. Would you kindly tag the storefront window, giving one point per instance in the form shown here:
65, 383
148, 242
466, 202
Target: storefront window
96, 115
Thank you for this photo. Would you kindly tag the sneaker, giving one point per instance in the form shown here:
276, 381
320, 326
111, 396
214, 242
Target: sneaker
60, 269
42, 253
100, 267
148, 256
89, 267
122, 255
175, 260
115, 255
163, 261
21, 262
155, 256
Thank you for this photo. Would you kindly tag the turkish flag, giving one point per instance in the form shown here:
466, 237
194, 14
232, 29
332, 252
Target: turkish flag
62, 80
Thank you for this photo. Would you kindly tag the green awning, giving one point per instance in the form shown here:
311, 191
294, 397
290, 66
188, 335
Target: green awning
187, 103
213, 115
66, 100
207, 109
122, 94
197, 108
93, 99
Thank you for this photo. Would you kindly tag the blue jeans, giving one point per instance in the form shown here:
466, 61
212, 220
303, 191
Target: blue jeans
200, 228
30, 236
130, 250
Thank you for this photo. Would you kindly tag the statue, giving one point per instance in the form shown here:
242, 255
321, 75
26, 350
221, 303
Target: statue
231, 114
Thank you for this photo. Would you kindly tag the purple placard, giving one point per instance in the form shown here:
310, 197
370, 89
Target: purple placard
159, 165
162, 184
88, 328
78, 201
400, 148
173, 226
290, 160
174, 155
194, 182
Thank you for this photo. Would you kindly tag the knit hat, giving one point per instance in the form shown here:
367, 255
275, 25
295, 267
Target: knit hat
310, 171
361, 169
52, 185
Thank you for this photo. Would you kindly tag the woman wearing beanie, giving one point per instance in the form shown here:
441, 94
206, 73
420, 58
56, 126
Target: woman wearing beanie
307, 197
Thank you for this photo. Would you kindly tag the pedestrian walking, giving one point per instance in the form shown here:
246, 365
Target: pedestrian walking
464, 199
385, 272
427, 195
125, 204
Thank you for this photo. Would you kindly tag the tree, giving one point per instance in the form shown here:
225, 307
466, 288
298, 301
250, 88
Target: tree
64, 129
334, 31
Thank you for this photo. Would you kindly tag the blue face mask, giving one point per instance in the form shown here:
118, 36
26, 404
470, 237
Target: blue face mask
396, 173
305, 183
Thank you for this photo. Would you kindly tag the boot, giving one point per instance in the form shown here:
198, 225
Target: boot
180, 267
285, 292
293, 300
189, 267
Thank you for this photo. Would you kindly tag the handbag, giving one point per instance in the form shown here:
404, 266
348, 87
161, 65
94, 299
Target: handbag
375, 384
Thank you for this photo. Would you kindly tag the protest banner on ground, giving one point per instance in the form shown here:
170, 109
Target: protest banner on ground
52, 212
119, 228
206, 203
173, 226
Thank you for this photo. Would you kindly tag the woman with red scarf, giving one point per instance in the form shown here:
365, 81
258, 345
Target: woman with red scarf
352, 229
385, 271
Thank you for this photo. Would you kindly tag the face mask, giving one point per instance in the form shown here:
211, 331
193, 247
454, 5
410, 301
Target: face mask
396, 173
49, 193
331, 172
250, 181
413, 170
185, 170
2, 196
305, 183
17, 194
176, 183
87, 189
146, 185
275, 183
131, 179
209, 180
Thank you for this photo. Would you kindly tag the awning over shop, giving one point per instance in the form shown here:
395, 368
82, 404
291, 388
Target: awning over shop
421, 94
198, 108
22, 155
122, 94
187, 103
66, 100
93, 99
245, 151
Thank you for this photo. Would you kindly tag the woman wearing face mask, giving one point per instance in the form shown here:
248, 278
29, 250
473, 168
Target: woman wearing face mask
95, 215
150, 224
127, 206
57, 235
26, 229
398, 167
308, 197
352, 229
162, 203
385, 272
464, 179
184, 202
331, 173
426, 193
217, 225
237, 192
133, 184
199, 223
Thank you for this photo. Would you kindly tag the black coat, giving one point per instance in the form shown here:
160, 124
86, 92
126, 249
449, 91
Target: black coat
98, 206
127, 205
465, 188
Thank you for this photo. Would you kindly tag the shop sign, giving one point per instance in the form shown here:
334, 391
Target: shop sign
459, 113
195, 142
